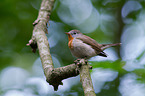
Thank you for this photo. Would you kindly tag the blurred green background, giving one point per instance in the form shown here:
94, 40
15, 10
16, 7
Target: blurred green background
122, 73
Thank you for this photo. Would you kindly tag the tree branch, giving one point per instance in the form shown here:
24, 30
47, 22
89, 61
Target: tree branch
85, 79
39, 36
58, 74
54, 76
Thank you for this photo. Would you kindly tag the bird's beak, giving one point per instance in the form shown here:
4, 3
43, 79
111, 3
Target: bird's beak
67, 33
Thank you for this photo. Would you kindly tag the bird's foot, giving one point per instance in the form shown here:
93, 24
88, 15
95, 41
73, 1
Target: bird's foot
77, 62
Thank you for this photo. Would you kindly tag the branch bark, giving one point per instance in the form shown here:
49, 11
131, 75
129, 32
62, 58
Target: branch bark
85, 79
54, 76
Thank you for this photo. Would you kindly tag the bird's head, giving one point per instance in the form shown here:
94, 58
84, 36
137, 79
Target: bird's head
74, 33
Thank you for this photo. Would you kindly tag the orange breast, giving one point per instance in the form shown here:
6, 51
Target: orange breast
70, 44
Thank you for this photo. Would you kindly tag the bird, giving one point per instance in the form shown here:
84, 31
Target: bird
82, 46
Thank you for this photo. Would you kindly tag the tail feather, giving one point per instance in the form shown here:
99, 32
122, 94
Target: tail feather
104, 46
102, 54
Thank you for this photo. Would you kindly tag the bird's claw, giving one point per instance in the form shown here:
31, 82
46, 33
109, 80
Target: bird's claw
77, 60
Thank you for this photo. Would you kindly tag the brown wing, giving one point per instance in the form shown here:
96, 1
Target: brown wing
92, 43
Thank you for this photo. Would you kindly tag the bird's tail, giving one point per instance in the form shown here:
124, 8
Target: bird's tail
102, 54
104, 46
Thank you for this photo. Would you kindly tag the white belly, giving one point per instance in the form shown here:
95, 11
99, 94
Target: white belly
82, 50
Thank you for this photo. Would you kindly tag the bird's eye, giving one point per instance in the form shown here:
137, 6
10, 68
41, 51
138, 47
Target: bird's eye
75, 33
